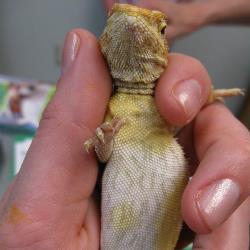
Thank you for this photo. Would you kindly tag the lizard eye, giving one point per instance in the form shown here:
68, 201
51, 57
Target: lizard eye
162, 28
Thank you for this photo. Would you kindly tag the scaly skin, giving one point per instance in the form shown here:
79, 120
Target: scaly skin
146, 172
143, 180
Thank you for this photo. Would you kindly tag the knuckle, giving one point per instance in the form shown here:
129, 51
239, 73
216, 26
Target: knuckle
242, 147
245, 154
52, 118
51, 112
186, 59
55, 117
240, 160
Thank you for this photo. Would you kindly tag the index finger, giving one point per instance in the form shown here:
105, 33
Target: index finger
221, 182
182, 89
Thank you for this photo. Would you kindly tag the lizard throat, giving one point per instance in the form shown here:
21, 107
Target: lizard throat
134, 87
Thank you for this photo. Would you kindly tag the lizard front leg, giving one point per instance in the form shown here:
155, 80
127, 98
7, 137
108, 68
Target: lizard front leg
220, 94
103, 140
215, 95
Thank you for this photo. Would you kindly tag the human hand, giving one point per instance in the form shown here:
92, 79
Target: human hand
217, 147
185, 17
51, 204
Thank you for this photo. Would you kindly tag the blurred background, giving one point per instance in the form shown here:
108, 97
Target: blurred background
32, 36
31, 41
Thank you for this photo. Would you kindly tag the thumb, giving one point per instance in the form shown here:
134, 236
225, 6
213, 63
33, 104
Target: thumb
56, 169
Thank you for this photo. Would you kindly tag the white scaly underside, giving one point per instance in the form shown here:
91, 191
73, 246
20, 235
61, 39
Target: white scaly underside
138, 197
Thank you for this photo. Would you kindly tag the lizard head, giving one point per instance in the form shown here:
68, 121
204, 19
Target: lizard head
134, 44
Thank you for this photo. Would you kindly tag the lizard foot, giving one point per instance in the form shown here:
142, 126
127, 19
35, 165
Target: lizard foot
103, 139
220, 94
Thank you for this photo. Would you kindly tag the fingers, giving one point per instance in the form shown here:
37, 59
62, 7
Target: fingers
173, 33
182, 18
154, 4
221, 182
222, 144
182, 90
109, 4
233, 234
56, 168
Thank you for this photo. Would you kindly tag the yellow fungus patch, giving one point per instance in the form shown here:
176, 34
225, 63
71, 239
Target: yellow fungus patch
123, 217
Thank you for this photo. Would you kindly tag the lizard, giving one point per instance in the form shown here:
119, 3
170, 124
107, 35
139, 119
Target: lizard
146, 171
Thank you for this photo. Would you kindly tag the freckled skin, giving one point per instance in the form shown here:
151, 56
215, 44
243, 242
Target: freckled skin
16, 216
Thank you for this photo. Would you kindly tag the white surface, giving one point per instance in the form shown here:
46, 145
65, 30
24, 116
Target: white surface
32, 30
20, 150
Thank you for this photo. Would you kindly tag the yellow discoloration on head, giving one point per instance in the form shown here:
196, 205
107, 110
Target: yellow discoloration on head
134, 45
123, 217
152, 15
16, 216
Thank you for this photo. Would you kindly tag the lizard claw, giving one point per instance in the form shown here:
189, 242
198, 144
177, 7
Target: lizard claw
104, 134
89, 144
100, 134
220, 94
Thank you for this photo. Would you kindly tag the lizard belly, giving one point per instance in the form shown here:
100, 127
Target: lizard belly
142, 187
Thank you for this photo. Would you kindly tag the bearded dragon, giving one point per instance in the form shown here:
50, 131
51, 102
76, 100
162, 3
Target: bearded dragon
146, 171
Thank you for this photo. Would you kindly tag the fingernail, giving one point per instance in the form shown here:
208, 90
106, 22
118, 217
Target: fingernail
188, 94
70, 50
217, 201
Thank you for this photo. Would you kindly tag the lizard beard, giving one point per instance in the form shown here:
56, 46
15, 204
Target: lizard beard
134, 54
